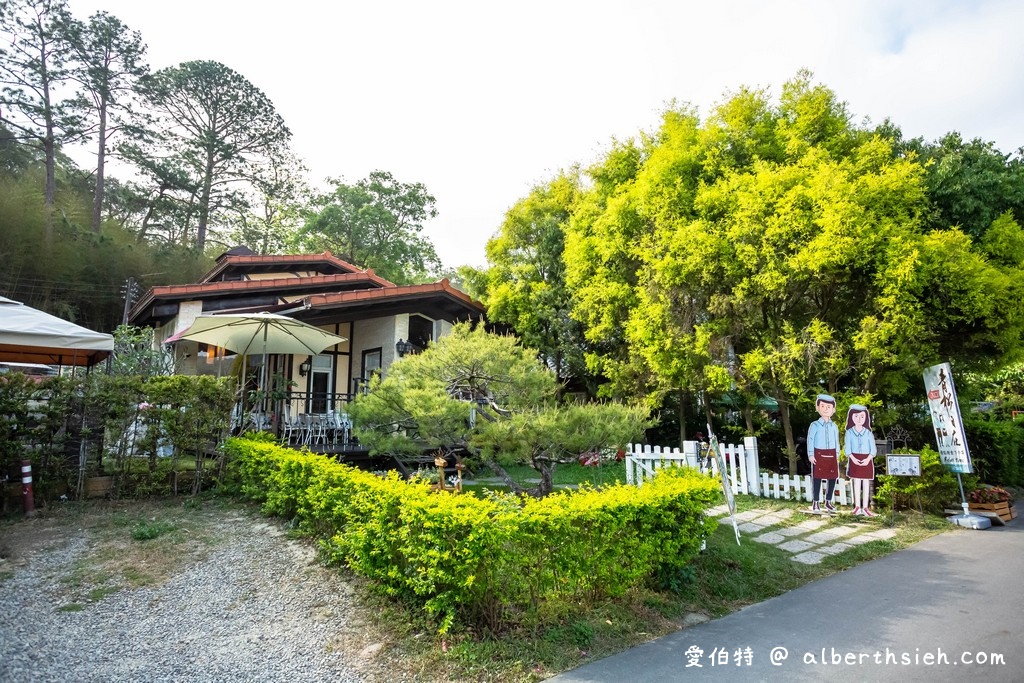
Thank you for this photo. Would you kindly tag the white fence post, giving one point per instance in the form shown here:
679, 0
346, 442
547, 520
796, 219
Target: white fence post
742, 467
740, 460
753, 464
692, 453
643, 461
629, 463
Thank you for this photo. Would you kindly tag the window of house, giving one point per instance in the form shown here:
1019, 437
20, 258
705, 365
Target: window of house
421, 331
370, 367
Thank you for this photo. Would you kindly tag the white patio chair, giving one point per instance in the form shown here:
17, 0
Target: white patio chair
260, 421
312, 429
290, 427
331, 427
318, 429
236, 417
344, 427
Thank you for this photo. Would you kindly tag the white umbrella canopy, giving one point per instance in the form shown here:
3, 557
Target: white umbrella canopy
259, 333
28, 335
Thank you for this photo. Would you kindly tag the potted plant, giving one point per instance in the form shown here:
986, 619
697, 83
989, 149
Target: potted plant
992, 499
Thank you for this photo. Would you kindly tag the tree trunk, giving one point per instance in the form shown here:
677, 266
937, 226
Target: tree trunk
787, 428
546, 470
748, 418
504, 476
682, 418
50, 190
49, 152
101, 158
708, 414
204, 203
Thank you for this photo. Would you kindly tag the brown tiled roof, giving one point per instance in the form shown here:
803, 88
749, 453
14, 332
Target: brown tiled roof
396, 292
270, 283
227, 261
279, 283
365, 289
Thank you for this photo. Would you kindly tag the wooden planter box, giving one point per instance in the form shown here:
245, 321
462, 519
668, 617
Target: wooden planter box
1005, 511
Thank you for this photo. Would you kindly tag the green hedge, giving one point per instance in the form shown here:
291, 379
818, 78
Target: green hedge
997, 449
492, 562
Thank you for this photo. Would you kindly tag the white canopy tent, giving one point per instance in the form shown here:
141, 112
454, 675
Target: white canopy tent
28, 335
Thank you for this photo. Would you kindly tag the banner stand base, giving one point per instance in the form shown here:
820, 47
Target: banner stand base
971, 521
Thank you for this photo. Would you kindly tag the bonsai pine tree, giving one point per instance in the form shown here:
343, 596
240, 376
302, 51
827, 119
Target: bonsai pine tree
485, 393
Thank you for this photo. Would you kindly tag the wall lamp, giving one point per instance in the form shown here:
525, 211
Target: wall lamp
403, 347
305, 367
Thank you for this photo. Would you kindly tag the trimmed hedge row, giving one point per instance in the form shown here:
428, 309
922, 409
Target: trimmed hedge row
491, 562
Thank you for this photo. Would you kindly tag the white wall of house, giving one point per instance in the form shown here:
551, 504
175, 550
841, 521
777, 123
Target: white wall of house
384, 333
375, 333
186, 353
279, 275
188, 311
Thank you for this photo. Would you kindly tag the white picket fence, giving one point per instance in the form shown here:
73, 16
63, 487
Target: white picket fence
742, 468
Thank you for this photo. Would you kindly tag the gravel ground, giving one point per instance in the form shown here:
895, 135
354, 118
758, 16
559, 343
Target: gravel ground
257, 607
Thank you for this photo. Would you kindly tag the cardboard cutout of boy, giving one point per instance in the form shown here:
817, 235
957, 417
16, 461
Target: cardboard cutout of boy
860, 449
823, 452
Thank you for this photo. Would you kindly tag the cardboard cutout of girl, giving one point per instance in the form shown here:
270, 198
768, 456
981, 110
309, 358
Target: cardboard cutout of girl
859, 445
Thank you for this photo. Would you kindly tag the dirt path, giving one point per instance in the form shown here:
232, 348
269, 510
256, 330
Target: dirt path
166, 590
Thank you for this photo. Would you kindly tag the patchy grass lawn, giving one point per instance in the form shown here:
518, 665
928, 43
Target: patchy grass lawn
564, 475
130, 543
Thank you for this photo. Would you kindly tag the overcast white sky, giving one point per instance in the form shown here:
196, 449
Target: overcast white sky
480, 101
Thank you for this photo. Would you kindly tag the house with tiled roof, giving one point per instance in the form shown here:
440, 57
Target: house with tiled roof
378, 319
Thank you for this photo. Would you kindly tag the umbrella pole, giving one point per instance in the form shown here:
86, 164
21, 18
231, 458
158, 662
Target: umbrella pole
266, 373
242, 401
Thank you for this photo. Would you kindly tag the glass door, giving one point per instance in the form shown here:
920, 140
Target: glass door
320, 383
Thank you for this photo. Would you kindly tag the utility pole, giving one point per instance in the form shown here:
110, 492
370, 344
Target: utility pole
130, 291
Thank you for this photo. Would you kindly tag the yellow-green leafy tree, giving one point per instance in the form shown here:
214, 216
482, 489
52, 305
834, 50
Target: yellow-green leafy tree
778, 248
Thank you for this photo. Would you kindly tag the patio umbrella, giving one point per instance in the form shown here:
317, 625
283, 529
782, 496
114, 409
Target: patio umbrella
249, 333
262, 333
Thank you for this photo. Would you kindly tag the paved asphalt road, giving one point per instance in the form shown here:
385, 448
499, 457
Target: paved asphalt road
926, 611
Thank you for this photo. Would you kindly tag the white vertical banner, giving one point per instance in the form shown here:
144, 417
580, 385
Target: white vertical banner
726, 488
949, 427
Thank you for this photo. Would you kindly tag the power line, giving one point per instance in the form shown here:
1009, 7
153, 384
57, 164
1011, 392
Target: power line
38, 290
44, 285
41, 280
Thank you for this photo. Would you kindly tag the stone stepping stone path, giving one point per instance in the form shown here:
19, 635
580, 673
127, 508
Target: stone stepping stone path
807, 540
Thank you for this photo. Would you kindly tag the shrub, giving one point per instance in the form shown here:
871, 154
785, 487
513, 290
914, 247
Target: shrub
996, 448
934, 490
485, 562
118, 418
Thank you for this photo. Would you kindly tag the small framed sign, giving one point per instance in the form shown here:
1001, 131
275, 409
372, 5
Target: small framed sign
903, 464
